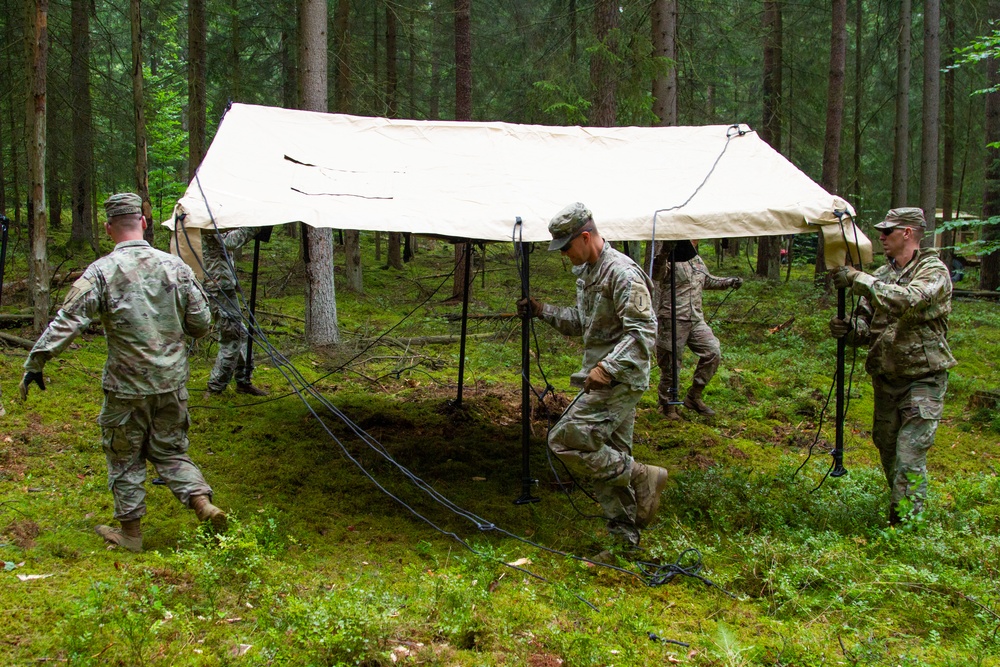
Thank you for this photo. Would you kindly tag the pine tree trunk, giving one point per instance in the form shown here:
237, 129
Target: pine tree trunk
341, 24
664, 26
834, 112
139, 111
83, 145
391, 63
948, 149
769, 247
321, 301
989, 270
901, 150
352, 261
931, 111
603, 72
197, 65
38, 46
394, 255
463, 111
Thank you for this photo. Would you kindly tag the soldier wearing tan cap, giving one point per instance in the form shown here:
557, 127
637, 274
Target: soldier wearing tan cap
902, 316
614, 316
149, 302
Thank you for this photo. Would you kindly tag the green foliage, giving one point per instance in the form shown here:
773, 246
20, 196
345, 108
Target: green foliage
319, 567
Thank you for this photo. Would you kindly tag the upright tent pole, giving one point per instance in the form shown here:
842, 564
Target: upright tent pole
248, 368
838, 450
465, 319
527, 482
675, 360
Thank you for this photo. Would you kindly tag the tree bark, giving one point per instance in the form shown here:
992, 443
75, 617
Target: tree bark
139, 112
321, 301
859, 80
948, 148
989, 270
834, 112
394, 255
463, 111
352, 261
603, 73
769, 247
664, 26
81, 229
235, 51
38, 46
391, 63
342, 91
931, 111
901, 147
197, 66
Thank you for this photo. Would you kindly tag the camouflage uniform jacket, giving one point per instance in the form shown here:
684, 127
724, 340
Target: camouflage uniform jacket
692, 278
903, 316
218, 273
614, 314
147, 301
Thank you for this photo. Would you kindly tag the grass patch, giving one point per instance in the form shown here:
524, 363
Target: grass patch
321, 567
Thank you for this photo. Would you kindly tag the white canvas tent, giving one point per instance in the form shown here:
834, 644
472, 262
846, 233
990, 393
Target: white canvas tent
270, 166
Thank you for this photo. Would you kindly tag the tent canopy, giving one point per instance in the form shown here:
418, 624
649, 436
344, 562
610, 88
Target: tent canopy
270, 166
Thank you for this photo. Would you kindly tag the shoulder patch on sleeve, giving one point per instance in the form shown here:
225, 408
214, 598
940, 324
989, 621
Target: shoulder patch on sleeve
82, 285
639, 300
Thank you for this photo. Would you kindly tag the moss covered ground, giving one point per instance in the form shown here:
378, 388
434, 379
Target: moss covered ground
322, 566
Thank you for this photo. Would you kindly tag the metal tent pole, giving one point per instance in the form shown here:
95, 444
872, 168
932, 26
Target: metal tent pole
526, 480
465, 321
248, 367
838, 450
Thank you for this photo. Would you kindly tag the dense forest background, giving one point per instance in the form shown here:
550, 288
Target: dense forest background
863, 95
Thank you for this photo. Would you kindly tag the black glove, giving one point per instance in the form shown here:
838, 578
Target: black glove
844, 276
736, 283
840, 328
536, 307
29, 377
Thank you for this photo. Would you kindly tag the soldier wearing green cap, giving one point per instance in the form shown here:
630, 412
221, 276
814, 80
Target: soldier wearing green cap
691, 278
614, 315
223, 295
902, 316
149, 302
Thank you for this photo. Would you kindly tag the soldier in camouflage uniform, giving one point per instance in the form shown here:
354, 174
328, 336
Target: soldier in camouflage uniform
148, 301
220, 285
691, 278
903, 317
614, 315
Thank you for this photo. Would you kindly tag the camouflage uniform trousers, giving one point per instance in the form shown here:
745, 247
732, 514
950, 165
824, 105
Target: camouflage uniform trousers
699, 338
907, 412
594, 440
232, 357
149, 428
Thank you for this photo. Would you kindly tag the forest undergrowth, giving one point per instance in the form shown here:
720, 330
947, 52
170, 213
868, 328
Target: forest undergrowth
322, 567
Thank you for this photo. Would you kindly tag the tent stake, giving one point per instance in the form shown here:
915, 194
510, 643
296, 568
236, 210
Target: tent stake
526, 481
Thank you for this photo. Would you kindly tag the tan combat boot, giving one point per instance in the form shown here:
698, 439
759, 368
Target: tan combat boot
694, 402
128, 536
671, 412
647, 482
207, 512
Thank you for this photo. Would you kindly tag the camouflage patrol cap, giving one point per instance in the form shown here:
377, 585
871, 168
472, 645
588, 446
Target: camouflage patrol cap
903, 217
568, 224
123, 203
